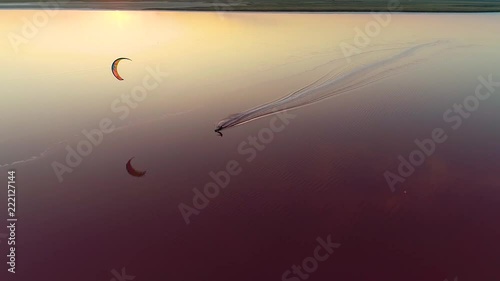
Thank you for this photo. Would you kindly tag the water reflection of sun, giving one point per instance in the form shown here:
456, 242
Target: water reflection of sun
120, 18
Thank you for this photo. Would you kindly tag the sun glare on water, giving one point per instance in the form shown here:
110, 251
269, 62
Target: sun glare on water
120, 18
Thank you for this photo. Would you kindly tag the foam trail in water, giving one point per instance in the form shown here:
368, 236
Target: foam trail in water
364, 69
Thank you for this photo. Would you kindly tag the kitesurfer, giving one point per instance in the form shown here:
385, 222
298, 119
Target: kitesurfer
218, 129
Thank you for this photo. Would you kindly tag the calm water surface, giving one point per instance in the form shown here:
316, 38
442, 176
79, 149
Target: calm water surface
323, 174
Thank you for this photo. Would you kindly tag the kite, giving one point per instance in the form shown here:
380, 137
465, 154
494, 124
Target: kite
132, 171
114, 67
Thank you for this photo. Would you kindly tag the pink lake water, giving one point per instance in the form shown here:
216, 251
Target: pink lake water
321, 175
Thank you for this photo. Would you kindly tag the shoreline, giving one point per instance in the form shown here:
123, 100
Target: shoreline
275, 7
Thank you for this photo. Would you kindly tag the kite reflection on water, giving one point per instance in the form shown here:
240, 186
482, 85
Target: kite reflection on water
132, 171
